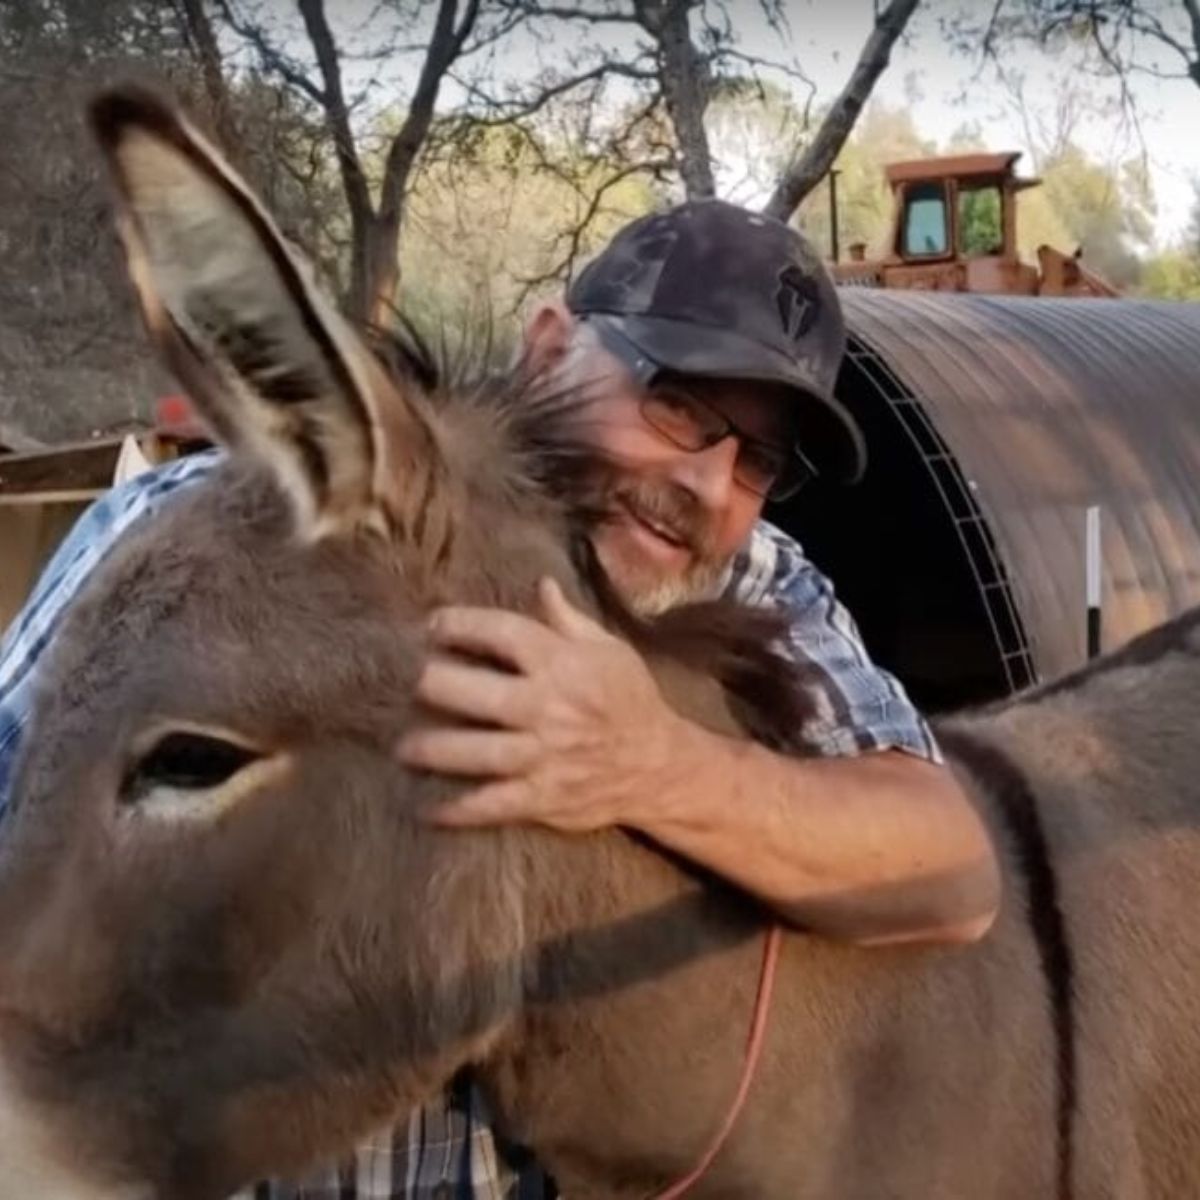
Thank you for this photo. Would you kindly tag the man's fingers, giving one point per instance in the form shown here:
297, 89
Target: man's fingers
563, 616
493, 804
508, 637
475, 693
469, 752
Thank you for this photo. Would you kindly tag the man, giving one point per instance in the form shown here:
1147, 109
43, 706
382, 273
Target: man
708, 340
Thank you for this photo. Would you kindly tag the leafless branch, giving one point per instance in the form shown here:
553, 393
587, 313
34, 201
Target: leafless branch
566, 12
193, 19
271, 58
507, 111
810, 166
565, 264
987, 45
684, 75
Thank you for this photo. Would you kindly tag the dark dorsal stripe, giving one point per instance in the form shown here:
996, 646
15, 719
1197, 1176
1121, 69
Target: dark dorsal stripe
1018, 810
1180, 635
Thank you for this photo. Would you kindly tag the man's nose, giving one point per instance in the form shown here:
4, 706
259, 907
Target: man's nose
709, 473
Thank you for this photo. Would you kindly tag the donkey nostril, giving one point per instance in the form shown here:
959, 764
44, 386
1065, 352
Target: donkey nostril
184, 761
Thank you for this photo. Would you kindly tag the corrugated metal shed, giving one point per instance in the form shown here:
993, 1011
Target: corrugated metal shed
1027, 411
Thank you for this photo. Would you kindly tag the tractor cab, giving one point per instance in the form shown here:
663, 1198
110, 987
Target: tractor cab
954, 228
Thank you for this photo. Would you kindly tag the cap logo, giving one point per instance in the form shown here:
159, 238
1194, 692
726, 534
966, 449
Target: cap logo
798, 302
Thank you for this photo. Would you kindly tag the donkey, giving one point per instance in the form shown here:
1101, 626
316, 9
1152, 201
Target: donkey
230, 944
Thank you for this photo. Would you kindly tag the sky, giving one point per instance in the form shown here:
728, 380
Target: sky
943, 87
946, 89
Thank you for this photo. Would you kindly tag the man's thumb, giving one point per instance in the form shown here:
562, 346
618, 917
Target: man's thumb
561, 615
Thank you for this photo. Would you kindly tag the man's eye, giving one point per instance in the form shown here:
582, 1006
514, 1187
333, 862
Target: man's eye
762, 462
675, 401
184, 761
674, 406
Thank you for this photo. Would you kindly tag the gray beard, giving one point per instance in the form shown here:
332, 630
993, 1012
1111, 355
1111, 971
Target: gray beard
650, 597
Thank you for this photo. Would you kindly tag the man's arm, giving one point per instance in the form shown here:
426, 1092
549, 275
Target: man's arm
880, 847
883, 847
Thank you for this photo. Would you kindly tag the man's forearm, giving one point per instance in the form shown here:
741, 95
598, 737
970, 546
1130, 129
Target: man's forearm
883, 847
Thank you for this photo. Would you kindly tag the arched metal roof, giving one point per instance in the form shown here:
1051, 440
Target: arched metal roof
1049, 406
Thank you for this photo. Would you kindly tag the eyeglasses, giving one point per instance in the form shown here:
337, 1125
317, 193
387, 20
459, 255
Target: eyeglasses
767, 469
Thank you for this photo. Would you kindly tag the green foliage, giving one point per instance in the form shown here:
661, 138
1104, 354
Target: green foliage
1172, 275
1108, 211
980, 221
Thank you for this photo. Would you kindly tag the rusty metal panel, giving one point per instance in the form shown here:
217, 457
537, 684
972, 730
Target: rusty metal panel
1049, 406
950, 166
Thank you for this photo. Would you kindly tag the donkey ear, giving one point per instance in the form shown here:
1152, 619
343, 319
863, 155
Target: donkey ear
267, 360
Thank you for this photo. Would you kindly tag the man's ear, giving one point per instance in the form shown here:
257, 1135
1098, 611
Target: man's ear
547, 336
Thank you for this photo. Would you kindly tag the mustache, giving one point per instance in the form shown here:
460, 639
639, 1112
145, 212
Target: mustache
674, 508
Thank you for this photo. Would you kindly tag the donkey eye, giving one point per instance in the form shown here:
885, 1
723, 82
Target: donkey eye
185, 762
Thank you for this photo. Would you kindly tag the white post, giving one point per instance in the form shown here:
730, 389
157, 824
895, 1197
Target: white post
1093, 561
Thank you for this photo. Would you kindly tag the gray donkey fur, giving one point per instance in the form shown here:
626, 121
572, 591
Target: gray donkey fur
230, 947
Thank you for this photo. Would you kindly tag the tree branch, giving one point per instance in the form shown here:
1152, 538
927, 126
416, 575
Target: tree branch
686, 87
531, 8
199, 30
270, 57
333, 101
811, 165
508, 111
445, 45
987, 45
1192, 8
564, 267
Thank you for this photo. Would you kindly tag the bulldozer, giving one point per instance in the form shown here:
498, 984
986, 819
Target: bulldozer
954, 229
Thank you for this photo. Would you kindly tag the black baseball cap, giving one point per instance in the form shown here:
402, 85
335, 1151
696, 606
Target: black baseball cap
714, 290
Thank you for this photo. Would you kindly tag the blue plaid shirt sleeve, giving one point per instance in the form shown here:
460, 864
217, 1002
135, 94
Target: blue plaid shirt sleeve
91, 538
859, 706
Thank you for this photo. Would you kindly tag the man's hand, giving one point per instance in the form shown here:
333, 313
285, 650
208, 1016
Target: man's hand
575, 734
571, 731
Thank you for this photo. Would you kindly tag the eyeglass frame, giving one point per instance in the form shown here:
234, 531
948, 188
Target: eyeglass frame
782, 485
645, 372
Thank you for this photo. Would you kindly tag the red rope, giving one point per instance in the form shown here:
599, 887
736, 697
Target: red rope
758, 1029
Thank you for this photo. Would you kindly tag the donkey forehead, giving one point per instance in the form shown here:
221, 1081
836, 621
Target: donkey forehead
216, 610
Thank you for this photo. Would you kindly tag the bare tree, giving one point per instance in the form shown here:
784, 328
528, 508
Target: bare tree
202, 42
683, 52
1127, 35
688, 52
1109, 40
812, 163
685, 80
375, 221
71, 358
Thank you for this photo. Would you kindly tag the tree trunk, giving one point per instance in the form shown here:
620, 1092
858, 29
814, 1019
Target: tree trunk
683, 77
445, 45
383, 277
375, 231
204, 43
811, 165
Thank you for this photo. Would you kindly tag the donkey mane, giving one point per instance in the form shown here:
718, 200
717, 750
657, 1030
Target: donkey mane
542, 427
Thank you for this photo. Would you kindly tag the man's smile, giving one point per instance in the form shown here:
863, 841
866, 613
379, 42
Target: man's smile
653, 537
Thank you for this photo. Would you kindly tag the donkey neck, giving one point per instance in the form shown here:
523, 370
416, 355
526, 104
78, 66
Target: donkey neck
621, 942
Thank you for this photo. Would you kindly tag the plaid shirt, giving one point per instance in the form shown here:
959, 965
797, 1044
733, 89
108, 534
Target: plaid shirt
447, 1150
